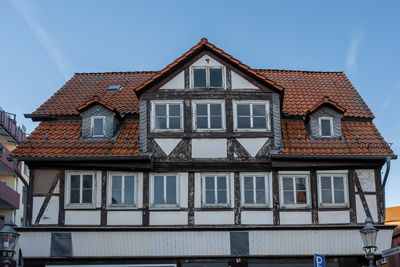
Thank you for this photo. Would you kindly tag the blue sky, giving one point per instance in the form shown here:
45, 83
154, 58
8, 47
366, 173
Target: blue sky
42, 43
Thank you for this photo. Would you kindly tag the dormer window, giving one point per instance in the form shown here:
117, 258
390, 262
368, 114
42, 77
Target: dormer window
326, 126
207, 77
97, 126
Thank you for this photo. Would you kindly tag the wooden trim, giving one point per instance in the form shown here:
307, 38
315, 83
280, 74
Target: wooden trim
379, 196
103, 215
240, 151
199, 94
47, 199
314, 196
186, 74
228, 78
228, 115
265, 149
61, 199
191, 198
156, 149
187, 116
352, 197
145, 212
275, 197
361, 194
30, 198
367, 193
225, 134
182, 151
236, 181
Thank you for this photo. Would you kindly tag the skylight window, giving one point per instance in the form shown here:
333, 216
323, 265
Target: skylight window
114, 88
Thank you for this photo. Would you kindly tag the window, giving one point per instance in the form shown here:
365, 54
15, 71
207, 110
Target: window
255, 189
164, 191
207, 77
294, 190
325, 127
122, 190
167, 116
208, 115
216, 190
252, 115
97, 126
332, 189
80, 189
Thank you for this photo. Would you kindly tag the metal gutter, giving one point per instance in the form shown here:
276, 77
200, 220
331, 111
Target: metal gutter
363, 157
96, 158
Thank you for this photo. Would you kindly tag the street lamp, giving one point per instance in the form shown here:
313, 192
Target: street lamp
8, 240
368, 235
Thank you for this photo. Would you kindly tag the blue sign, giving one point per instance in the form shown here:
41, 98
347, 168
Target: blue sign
319, 260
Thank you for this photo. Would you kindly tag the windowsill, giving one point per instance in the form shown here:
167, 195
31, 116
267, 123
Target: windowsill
166, 130
305, 207
255, 206
155, 208
333, 206
209, 130
212, 206
122, 207
252, 130
79, 207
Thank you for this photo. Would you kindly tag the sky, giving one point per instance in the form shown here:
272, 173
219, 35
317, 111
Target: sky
44, 42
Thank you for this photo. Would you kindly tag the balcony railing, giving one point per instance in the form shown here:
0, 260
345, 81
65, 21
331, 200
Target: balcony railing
9, 124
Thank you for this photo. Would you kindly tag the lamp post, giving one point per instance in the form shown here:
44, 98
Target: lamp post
8, 240
368, 235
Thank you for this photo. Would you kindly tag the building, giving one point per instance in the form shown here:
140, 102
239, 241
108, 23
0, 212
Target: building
13, 178
393, 218
207, 162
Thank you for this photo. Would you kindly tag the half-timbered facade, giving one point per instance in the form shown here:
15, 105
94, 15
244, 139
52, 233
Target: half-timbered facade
205, 162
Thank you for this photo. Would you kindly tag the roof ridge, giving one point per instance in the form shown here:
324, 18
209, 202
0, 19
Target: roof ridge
286, 70
116, 72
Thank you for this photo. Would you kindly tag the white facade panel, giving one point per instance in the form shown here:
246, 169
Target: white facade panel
36, 205
371, 201
257, 217
50, 214
208, 61
184, 189
82, 217
35, 244
122, 217
209, 148
252, 145
295, 217
168, 217
214, 217
367, 180
238, 82
197, 190
167, 144
331, 217
178, 82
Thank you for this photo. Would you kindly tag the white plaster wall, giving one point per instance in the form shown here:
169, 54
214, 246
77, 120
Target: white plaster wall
36, 205
168, 217
184, 189
178, 82
371, 201
238, 82
197, 190
232, 188
327, 217
98, 189
367, 180
209, 148
295, 217
50, 215
82, 217
252, 145
257, 217
123, 217
201, 62
57, 188
167, 144
140, 190
214, 217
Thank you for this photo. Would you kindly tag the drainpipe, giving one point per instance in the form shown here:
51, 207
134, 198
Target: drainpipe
384, 183
24, 190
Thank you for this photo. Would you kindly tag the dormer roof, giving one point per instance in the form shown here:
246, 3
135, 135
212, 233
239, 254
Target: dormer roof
327, 102
90, 103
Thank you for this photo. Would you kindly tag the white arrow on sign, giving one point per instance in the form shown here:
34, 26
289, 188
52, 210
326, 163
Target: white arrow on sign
391, 251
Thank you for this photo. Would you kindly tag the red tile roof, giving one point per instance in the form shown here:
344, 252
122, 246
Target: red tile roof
327, 101
360, 138
62, 139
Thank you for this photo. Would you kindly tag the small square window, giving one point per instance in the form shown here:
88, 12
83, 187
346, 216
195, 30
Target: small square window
167, 116
216, 190
208, 115
164, 191
332, 189
207, 77
122, 188
80, 188
326, 126
98, 126
294, 190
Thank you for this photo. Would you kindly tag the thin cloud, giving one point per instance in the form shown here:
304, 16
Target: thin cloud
390, 97
45, 40
351, 58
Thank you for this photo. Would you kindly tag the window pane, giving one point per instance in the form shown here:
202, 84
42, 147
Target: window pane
259, 123
171, 182
174, 123
243, 122
248, 197
260, 183
325, 183
210, 197
161, 110
215, 109
288, 198
258, 110
326, 196
129, 197
209, 182
215, 123
243, 109
216, 77
221, 194
129, 182
326, 127
300, 184
159, 197
171, 195
74, 196
301, 197
117, 182
98, 126
161, 123
159, 183
174, 110
339, 196
201, 109
221, 182
87, 196
287, 183
87, 181
199, 77
75, 181
248, 183
116, 197
202, 122
338, 182
260, 195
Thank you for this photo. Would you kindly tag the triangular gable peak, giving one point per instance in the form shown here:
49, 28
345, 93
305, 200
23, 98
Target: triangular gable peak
94, 101
326, 102
203, 51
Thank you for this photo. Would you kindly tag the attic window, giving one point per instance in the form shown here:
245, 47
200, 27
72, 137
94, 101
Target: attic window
98, 126
325, 126
207, 77
114, 88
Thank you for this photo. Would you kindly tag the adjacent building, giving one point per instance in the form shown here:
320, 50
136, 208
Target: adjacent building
207, 162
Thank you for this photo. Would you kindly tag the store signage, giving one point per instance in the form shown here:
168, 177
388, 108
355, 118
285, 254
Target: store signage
391, 251
319, 260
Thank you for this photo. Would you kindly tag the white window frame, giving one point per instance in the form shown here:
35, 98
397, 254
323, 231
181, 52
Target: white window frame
151, 191
153, 115
194, 115
331, 174
267, 186
67, 190
92, 125
320, 126
203, 190
208, 76
251, 103
109, 190
293, 175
